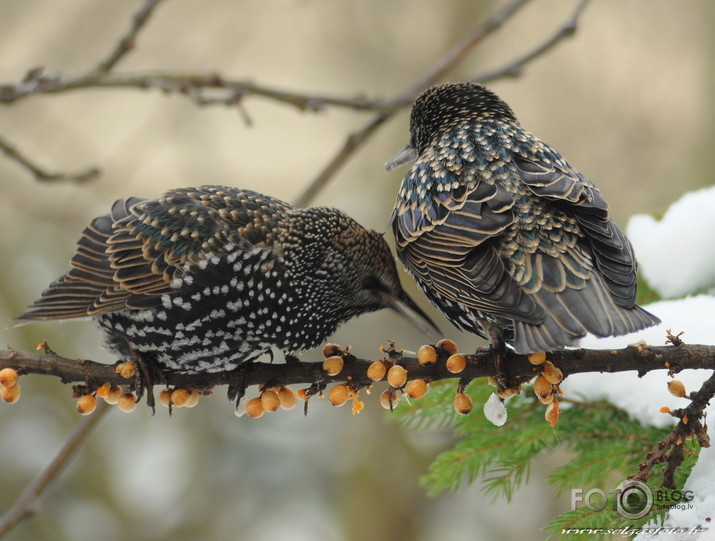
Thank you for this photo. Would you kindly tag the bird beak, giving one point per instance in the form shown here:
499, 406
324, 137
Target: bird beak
403, 157
408, 309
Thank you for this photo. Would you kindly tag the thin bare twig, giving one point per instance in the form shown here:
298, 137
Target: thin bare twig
42, 174
515, 68
439, 70
23, 507
128, 41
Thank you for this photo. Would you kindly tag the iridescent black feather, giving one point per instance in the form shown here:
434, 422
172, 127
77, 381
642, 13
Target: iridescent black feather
204, 279
502, 234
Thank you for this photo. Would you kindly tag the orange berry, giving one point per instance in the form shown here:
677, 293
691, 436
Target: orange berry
508, 392
255, 408
127, 402
338, 395
677, 388
665, 409
127, 369
193, 399
417, 388
456, 363
537, 358
333, 365
376, 371
397, 375
113, 395
552, 413
552, 373
462, 403
287, 398
447, 345
8, 377
86, 404
165, 397
330, 350
103, 390
270, 401
542, 387
426, 354
10, 394
389, 399
179, 397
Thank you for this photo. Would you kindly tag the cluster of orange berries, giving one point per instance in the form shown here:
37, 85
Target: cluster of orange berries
9, 388
271, 399
546, 386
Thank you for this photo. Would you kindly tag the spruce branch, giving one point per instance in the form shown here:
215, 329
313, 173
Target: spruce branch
642, 359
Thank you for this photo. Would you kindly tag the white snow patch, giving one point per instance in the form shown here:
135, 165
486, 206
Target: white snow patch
675, 253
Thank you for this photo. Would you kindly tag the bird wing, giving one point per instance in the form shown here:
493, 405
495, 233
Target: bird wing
444, 243
612, 252
146, 248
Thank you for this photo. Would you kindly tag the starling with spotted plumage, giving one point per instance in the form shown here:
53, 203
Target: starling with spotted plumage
205, 279
502, 234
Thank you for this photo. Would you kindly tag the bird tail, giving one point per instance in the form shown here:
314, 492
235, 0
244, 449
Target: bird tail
572, 313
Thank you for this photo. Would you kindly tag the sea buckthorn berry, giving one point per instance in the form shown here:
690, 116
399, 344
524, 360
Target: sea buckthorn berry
456, 363
338, 395
103, 390
113, 395
537, 358
426, 354
287, 398
127, 369
397, 375
10, 394
417, 388
508, 392
552, 373
270, 401
542, 387
165, 397
193, 399
552, 413
86, 404
330, 350
389, 399
8, 377
179, 397
376, 371
677, 388
333, 365
254, 408
462, 403
447, 345
127, 402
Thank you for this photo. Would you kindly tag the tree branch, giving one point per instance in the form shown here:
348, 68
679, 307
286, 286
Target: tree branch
128, 41
640, 358
39, 172
23, 506
436, 73
670, 450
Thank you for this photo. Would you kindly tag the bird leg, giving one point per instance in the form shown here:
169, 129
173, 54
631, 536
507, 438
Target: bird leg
498, 348
146, 375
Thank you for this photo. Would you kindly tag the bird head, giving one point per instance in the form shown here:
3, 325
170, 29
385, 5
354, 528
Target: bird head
442, 106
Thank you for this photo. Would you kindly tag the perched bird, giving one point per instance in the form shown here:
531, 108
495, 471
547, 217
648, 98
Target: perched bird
205, 279
502, 234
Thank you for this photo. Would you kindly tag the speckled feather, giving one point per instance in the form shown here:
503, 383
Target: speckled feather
204, 279
503, 235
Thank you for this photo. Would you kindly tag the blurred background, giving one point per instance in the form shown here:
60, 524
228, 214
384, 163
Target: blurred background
628, 101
